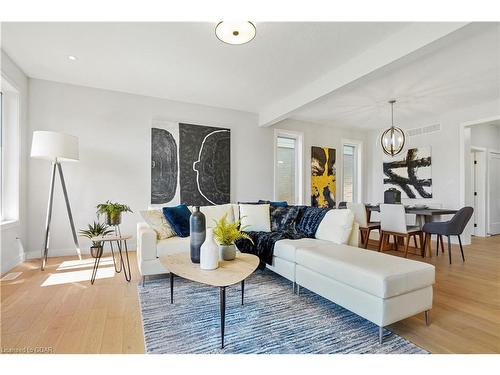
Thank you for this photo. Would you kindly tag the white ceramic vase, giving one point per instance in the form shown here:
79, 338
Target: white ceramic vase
209, 252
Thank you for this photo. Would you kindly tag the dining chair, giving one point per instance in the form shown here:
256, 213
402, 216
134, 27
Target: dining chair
342, 205
393, 223
361, 217
453, 227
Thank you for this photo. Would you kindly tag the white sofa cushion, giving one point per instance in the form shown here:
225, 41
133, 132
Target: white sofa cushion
156, 220
215, 213
336, 226
256, 217
381, 275
285, 249
172, 245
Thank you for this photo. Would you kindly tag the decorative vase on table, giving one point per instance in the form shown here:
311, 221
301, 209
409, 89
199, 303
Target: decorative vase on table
209, 257
227, 252
197, 233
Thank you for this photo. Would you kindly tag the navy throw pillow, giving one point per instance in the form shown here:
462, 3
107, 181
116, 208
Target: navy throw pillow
178, 218
274, 204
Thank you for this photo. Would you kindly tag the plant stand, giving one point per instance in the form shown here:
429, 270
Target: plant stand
119, 263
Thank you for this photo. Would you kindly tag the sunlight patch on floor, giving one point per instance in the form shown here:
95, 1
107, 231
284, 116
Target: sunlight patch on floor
11, 276
77, 276
84, 263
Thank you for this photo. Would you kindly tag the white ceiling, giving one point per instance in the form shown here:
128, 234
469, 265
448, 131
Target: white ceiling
460, 70
185, 61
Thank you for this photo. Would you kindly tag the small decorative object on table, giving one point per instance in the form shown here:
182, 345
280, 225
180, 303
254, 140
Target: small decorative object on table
209, 252
96, 230
226, 234
197, 233
113, 212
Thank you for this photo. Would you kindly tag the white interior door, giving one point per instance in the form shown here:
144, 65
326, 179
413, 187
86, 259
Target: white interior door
479, 192
494, 193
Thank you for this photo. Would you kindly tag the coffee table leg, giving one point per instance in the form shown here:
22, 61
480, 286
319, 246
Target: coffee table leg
222, 313
171, 287
242, 291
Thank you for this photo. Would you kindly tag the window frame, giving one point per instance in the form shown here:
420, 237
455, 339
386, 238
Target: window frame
10, 182
299, 163
358, 167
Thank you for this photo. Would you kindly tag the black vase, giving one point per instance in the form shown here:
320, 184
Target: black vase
197, 233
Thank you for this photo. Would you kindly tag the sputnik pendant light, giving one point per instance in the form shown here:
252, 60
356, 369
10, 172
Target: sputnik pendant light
393, 139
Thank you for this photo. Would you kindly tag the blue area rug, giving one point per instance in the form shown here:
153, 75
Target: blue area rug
273, 320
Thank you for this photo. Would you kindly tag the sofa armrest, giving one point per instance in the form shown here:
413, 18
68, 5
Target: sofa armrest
354, 236
146, 243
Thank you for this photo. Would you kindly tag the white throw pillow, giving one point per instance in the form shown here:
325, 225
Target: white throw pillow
215, 213
255, 217
156, 220
336, 226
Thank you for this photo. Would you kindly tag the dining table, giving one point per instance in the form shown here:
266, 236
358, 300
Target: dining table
423, 214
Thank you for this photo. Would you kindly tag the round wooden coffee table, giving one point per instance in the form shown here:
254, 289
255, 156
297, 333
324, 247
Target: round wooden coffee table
229, 273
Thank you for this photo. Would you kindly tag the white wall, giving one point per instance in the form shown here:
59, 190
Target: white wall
114, 130
486, 136
13, 235
445, 145
326, 136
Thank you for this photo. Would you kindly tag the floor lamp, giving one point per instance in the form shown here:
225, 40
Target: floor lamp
56, 147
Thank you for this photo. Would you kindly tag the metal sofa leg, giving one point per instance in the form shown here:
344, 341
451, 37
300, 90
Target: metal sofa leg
298, 289
143, 280
293, 287
380, 334
427, 317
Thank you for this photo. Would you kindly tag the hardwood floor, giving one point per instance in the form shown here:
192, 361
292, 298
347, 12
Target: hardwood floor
73, 316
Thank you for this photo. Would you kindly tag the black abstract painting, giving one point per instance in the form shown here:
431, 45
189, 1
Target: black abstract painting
164, 166
190, 164
412, 175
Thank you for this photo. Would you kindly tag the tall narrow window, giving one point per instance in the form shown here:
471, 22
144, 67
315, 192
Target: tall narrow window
351, 171
288, 168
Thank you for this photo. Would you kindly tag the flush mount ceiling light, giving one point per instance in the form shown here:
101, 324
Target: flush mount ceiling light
72, 58
393, 139
235, 32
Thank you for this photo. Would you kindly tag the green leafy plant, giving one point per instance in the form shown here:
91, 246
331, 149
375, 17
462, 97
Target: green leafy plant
226, 233
94, 230
113, 211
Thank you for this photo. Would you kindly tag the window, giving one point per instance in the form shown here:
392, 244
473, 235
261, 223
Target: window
9, 153
288, 167
351, 176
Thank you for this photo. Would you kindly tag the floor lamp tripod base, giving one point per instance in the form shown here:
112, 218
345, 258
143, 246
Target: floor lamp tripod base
57, 166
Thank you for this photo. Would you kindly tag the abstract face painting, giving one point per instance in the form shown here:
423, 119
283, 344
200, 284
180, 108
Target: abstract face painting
323, 177
190, 164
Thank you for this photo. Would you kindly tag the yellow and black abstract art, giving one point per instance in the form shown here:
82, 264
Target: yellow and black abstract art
323, 177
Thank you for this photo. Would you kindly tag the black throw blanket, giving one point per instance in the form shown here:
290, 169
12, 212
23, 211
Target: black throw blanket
292, 222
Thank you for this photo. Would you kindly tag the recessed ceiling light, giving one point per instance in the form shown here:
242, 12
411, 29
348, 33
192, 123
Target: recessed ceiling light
72, 58
235, 32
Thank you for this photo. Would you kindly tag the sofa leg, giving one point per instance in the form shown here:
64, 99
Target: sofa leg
298, 289
143, 280
427, 317
293, 287
380, 334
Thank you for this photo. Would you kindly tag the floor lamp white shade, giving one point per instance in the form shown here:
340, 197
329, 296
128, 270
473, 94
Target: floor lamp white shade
54, 146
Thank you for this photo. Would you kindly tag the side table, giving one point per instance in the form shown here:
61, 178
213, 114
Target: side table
119, 264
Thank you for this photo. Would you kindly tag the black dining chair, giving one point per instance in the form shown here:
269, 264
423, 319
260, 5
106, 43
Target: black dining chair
454, 227
342, 205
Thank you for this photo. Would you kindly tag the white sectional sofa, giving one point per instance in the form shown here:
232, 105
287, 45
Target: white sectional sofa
379, 287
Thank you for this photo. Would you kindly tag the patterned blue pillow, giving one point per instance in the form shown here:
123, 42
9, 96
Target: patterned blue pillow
178, 218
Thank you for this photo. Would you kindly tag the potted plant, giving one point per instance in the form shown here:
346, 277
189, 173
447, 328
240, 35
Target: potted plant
226, 234
113, 212
94, 230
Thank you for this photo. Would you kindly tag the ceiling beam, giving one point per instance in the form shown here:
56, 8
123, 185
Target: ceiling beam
398, 45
